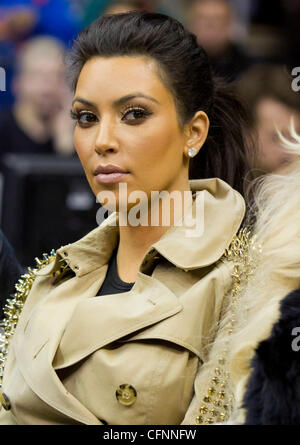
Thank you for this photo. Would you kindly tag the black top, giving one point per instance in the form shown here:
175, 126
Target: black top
14, 140
112, 283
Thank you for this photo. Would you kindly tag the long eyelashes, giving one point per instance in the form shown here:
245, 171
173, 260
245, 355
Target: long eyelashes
139, 115
78, 116
140, 112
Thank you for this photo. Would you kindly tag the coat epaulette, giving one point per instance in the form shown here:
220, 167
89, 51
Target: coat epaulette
15, 303
217, 402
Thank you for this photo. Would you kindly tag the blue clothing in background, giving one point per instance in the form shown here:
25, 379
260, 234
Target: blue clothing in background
58, 18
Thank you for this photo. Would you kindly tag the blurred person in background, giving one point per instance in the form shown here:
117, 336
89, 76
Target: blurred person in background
120, 6
212, 21
267, 42
16, 22
28, 18
38, 121
23, 19
15, 25
244, 10
95, 8
292, 27
266, 91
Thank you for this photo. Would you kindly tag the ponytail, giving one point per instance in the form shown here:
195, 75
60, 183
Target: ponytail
229, 148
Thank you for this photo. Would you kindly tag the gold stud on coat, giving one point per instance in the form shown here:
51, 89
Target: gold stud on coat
126, 394
4, 400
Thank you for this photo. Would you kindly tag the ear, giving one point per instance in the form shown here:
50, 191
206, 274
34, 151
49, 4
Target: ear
197, 131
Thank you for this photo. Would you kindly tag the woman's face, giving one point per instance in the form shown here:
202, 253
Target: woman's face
127, 118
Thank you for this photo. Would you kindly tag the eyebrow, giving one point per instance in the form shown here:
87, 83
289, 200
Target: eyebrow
118, 101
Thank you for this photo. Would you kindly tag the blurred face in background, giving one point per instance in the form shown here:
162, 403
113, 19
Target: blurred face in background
119, 8
210, 21
127, 6
41, 83
271, 154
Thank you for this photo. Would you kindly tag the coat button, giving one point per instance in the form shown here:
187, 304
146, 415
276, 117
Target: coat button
126, 394
4, 400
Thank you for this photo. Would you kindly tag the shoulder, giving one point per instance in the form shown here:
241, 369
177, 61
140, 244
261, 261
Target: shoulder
47, 269
14, 305
240, 260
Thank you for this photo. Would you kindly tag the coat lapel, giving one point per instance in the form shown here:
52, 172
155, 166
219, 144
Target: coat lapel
148, 302
56, 339
36, 343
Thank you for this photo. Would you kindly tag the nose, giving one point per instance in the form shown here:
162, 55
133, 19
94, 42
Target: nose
106, 140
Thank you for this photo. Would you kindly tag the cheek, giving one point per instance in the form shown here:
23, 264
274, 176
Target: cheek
158, 147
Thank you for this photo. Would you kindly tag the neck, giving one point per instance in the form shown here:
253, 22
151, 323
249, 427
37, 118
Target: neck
134, 241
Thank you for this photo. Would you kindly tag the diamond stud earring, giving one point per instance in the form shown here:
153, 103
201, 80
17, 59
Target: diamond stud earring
192, 152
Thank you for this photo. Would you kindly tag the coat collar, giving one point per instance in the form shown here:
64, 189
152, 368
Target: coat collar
223, 210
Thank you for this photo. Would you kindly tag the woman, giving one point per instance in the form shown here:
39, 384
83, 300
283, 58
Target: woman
117, 326
264, 359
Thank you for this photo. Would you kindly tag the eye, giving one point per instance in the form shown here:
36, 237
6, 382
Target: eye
133, 114
84, 118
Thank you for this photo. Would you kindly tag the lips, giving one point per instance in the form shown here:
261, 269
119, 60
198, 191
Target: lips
108, 174
110, 168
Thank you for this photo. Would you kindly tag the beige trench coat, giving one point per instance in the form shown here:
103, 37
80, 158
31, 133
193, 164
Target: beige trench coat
129, 358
